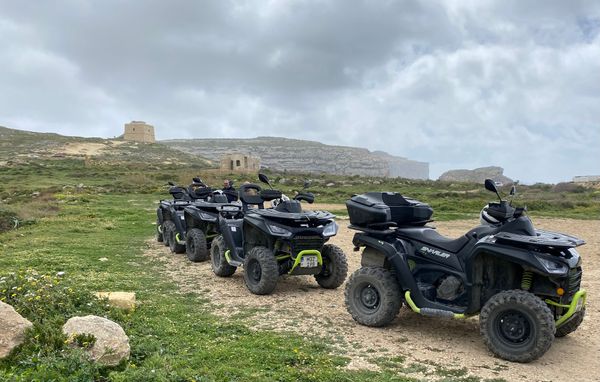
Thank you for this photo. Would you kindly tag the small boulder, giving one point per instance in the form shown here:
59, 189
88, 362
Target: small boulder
123, 300
12, 329
111, 344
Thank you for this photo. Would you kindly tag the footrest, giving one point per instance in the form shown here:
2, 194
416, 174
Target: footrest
430, 311
437, 313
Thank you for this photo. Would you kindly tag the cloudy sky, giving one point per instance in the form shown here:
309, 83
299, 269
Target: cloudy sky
459, 84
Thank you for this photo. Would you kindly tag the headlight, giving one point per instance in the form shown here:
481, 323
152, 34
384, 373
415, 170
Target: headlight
330, 229
553, 267
208, 217
279, 231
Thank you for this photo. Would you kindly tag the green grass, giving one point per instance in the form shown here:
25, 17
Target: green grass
72, 213
174, 337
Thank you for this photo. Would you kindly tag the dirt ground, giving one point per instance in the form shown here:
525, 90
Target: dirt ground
427, 344
83, 148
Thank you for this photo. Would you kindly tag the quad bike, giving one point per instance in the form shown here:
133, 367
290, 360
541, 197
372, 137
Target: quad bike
524, 283
201, 223
283, 239
170, 213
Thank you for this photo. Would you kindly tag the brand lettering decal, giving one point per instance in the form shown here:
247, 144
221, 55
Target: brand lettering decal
434, 252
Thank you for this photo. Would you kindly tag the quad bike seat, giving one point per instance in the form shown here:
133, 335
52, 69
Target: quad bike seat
431, 237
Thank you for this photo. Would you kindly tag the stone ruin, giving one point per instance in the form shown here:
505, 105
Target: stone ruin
241, 163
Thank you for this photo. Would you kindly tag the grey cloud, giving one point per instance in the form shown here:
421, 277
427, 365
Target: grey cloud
458, 84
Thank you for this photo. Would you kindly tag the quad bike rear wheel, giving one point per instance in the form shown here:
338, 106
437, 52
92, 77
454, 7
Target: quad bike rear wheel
373, 296
159, 233
517, 326
335, 267
261, 270
218, 262
571, 325
171, 233
195, 245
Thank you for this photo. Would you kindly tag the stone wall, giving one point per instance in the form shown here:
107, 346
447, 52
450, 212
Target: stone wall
295, 155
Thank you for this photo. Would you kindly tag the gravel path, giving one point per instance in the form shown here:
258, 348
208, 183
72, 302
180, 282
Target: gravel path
428, 344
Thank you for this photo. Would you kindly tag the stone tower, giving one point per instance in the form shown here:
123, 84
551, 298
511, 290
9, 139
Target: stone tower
139, 131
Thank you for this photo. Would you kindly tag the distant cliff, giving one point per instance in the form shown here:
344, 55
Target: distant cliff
477, 175
307, 156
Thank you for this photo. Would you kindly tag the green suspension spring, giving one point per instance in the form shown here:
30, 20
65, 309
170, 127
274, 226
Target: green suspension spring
526, 280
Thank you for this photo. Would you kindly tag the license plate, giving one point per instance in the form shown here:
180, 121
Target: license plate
308, 262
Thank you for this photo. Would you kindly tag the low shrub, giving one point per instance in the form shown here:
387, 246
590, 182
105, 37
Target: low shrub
48, 301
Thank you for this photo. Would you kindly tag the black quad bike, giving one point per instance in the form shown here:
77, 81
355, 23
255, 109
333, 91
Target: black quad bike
284, 239
170, 213
524, 283
201, 219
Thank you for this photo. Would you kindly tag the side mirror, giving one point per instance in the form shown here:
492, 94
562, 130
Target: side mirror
197, 180
263, 178
513, 190
306, 184
490, 185
171, 183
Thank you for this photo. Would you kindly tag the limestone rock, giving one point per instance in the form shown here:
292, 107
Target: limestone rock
123, 300
478, 175
296, 155
12, 329
111, 345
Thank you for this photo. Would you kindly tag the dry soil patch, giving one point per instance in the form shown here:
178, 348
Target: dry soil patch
299, 305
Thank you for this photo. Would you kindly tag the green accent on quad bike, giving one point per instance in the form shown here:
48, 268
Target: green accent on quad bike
307, 252
227, 257
177, 238
416, 309
159, 228
211, 235
572, 307
282, 257
526, 280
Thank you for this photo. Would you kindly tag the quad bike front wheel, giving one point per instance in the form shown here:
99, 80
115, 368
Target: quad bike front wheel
373, 296
159, 233
171, 232
218, 262
261, 270
335, 267
517, 325
195, 245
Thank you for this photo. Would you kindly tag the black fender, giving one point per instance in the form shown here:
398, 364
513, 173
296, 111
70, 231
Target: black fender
179, 224
255, 227
523, 257
192, 217
159, 215
398, 260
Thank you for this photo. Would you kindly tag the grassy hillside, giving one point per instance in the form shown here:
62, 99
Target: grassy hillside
19, 147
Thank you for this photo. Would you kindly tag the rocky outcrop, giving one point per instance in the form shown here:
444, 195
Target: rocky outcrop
12, 329
296, 155
122, 300
111, 344
478, 175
